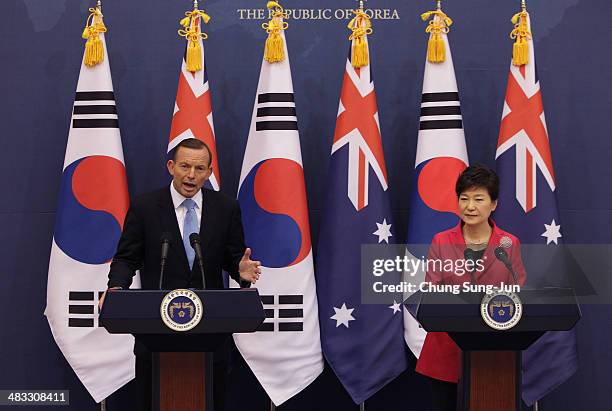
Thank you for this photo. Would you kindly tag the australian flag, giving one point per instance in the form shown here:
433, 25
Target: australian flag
193, 117
362, 343
527, 208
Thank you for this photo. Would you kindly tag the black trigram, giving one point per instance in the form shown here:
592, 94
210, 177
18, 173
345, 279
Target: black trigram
82, 308
276, 111
284, 314
94, 109
440, 111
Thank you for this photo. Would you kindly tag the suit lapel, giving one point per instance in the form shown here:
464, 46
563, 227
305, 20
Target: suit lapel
170, 225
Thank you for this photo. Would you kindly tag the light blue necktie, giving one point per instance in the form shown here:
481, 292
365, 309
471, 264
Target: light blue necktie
190, 226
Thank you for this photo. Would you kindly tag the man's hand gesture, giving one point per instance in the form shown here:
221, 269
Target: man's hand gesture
249, 270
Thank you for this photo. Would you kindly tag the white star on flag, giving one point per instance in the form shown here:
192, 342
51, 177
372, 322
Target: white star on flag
343, 315
383, 232
395, 307
552, 233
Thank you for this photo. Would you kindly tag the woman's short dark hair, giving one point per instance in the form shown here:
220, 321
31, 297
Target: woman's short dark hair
478, 175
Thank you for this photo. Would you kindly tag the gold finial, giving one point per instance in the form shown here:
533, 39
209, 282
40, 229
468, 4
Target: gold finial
94, 48
521, 34
438, 25
274, 50
360, 27
192, 32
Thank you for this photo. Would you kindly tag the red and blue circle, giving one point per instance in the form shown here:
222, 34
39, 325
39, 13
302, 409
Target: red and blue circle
275, 214
93, 202
436, 183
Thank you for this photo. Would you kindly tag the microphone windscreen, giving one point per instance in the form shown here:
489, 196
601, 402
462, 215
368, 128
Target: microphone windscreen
194, 238
505, 242
166, 237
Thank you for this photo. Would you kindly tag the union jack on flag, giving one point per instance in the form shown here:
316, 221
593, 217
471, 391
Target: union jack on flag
523, 126
357, 126
193, 113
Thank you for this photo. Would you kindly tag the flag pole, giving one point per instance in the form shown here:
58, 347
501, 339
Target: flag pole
103, 402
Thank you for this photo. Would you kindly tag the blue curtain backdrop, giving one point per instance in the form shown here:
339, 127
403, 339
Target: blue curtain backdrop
41, 51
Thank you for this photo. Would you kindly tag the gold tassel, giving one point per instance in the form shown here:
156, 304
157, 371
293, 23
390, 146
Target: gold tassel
94, 49
275, 47
521, 35
193, 33
440, 24
361, 27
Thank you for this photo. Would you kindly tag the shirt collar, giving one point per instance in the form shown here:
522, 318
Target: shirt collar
457, 232
178, 198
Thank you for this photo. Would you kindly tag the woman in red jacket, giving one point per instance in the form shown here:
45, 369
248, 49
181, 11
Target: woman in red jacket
477, 190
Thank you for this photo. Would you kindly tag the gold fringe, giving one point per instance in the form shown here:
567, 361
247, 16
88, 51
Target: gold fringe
192, 33
94, 49
361, 27
440, 24
521, 35
274, 50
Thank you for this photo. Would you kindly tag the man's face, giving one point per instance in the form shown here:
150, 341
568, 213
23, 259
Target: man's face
189, 170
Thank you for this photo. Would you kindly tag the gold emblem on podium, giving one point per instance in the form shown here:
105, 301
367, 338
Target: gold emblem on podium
181, 310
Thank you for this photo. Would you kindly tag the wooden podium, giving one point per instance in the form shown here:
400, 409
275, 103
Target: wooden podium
182, 360
491, 374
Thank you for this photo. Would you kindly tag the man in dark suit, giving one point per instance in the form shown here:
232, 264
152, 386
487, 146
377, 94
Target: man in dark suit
174, 213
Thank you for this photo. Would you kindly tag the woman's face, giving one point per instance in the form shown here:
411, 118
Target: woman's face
475, 206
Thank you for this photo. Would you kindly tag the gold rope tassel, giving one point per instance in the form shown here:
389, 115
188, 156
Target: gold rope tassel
521, 35
275, 46
94, 49
361, 27
192, 33
440, 24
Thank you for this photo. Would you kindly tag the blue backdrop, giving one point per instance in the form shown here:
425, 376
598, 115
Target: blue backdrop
41, 52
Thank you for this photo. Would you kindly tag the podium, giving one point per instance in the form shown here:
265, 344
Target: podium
491, 374
182, 371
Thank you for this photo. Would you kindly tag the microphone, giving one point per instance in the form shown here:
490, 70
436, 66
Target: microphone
165, 245
502, 256
468, 255
194, 240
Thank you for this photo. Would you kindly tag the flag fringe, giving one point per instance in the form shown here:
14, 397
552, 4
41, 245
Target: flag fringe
521, 35
94, 49
274, 51
192, 33
361, 27
440, 24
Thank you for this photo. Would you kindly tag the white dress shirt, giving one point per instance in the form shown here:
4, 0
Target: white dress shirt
180, 211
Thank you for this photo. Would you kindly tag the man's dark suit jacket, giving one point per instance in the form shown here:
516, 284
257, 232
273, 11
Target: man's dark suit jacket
152, 214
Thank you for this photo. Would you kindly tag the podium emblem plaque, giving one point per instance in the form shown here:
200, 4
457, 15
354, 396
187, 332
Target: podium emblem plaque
181, 310
501, 310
